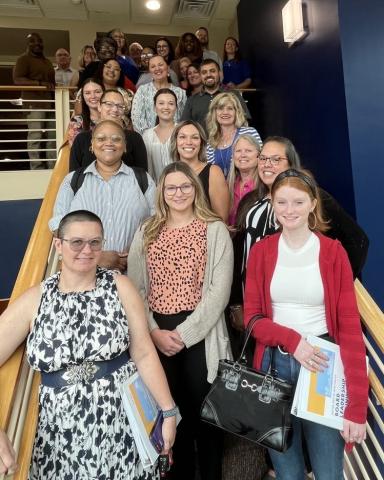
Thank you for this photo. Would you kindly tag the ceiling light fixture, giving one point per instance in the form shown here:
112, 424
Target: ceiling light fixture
153, 5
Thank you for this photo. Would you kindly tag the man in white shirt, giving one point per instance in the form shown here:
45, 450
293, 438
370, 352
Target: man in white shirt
203, 37
63, 71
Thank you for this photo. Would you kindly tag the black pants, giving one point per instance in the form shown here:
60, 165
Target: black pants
187, 377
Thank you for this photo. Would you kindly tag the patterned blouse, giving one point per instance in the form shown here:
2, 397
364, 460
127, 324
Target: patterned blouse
176, 265
75, 126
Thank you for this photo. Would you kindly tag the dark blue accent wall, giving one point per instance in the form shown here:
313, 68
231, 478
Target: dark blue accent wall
362, 41
17, 219
327, 100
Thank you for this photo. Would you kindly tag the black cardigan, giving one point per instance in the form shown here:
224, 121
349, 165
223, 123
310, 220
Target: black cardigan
81, 155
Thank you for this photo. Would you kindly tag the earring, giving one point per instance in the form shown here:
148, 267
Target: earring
91, 149
312, 227
60, 258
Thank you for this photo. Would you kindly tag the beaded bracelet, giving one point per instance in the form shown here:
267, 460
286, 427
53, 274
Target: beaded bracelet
170, 413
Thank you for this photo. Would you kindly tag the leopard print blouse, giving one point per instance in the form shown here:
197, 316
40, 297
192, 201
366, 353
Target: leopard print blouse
176, 264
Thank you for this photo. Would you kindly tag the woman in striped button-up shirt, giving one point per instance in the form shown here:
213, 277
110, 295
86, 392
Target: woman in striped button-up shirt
111, 191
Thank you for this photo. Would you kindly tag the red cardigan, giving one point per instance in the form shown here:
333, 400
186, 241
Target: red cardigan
342, 315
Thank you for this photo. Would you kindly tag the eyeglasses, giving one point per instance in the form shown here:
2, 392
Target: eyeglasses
115, 139
185, 189
146, 55
273, 159
120, 106
77, 244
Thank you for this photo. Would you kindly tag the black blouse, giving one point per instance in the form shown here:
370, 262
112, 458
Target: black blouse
81, 155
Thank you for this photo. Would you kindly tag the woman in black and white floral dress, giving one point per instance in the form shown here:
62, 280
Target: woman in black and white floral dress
87, 318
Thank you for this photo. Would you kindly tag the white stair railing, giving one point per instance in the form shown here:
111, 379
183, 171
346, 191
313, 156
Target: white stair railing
17, 151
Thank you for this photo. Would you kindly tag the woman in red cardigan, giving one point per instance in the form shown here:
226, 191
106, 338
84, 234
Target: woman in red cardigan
302, 281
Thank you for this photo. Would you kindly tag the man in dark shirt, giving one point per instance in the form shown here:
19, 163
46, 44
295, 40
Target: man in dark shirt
106, 49
111, 108
35, 70
197, 106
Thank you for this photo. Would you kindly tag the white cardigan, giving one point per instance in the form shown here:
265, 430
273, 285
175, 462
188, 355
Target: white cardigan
207, 322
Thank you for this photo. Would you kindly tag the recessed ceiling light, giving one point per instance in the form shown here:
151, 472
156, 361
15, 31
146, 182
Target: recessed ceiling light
153, 5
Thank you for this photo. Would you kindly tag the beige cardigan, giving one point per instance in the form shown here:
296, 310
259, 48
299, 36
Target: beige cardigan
207, 320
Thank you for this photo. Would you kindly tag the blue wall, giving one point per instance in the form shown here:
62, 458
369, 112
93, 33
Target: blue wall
17, 219
315, 93
362, 41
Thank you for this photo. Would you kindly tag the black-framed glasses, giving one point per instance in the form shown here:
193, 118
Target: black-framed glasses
185, 189
77, 244
120, 106
273, 159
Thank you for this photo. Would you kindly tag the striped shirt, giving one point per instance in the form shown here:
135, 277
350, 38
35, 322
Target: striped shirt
260, 222
119, 202
223, 156
143, 113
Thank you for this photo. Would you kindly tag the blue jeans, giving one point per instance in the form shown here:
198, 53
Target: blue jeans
325, 445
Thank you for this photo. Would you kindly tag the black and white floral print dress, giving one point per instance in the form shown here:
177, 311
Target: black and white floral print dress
83, 432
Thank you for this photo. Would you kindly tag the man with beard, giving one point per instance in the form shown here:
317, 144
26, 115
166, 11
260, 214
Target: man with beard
34, 69
203, 37
197, 106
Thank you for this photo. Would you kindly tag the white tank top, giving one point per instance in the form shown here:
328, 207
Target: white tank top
297, 290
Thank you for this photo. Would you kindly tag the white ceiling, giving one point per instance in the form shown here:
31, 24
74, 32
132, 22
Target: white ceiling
212, 13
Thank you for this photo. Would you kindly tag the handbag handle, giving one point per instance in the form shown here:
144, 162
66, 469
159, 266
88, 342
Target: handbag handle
248, 333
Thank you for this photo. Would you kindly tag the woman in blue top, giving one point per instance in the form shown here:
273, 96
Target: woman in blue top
237, 73
225, 122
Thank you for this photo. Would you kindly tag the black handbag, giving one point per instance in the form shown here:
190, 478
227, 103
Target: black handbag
251, 404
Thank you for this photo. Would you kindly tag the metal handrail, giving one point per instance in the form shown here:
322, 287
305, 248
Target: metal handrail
15, 121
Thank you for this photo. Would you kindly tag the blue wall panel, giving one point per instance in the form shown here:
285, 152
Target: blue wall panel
17, 219
362, 40
302, 88
326, 94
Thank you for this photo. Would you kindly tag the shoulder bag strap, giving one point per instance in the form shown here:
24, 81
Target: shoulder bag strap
248, 333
